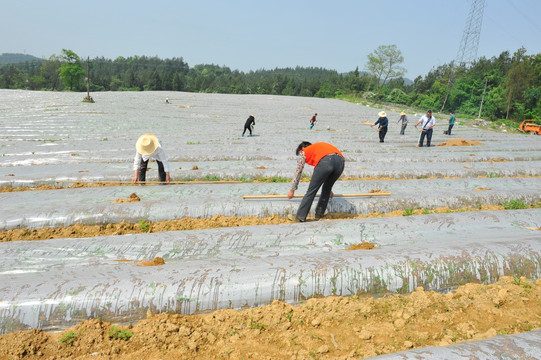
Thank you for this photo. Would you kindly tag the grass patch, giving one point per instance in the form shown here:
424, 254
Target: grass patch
272, 179
514, 204
408, 212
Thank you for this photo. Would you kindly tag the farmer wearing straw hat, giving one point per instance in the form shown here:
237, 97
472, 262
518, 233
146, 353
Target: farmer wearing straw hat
328, 163
383, 124
148, 147
404, 120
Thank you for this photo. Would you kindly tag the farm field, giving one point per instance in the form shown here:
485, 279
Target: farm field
79, 242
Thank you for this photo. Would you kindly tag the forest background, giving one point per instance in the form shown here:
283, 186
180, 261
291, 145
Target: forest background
504, 88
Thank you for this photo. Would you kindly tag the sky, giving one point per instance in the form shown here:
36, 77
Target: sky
250, 35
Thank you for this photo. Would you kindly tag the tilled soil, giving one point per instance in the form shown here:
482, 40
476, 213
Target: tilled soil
325, 328
80, 230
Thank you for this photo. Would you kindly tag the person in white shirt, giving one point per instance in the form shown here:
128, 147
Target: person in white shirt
147, 147
427, 125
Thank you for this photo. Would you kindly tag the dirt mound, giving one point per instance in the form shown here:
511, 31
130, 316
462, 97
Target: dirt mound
156, 262
362, 246
325, 328
132, 198
460, 142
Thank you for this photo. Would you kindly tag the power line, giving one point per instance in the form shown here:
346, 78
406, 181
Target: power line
467, 52
533, 23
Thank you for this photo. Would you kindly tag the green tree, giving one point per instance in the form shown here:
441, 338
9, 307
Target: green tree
13, 78
384, 64
49, 70
71, 70
517, 83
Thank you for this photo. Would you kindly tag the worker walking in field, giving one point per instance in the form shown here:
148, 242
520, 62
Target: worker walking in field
249, 125
451, 123
328, 163
313, 120
404, 120
383, 125
427, 127
148, 147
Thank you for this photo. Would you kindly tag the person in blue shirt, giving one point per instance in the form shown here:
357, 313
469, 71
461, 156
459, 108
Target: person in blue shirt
383, 124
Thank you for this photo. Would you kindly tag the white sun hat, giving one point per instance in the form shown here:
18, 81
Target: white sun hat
146, 144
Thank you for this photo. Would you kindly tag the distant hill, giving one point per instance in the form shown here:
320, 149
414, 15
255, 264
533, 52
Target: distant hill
7, 58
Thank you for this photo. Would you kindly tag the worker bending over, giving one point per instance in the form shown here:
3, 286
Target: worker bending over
148, 147
328, 163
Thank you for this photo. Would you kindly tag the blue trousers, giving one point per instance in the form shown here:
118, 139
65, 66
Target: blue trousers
428, 134
326, 172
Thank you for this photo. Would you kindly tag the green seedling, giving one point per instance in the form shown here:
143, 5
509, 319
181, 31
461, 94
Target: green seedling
143, 225
408, 212
68, 337
119, 334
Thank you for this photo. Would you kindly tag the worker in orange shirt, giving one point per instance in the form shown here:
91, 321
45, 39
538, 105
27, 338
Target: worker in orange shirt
328, 163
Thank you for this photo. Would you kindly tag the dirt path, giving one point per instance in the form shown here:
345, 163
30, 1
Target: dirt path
327, 328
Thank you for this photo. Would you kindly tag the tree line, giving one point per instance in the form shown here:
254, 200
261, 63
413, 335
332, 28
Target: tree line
507, 86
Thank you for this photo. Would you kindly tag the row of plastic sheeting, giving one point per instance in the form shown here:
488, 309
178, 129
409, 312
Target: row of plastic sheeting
57, 283
58, 208
524, 346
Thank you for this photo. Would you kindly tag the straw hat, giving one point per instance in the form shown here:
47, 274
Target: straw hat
402, 113
146, 144
382, 114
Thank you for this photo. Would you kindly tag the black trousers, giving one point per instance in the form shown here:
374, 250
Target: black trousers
428, 134
247, 128
382, 132
143, 171
450, 127
326, 172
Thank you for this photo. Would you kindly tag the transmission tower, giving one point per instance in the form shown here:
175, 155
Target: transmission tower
467, 52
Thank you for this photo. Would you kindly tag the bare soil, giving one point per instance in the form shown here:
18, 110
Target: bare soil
132, 198
80, 230
460, 142
326, 328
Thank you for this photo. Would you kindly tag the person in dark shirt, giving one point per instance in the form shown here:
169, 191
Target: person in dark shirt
313, 121
248, 125
383, 124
